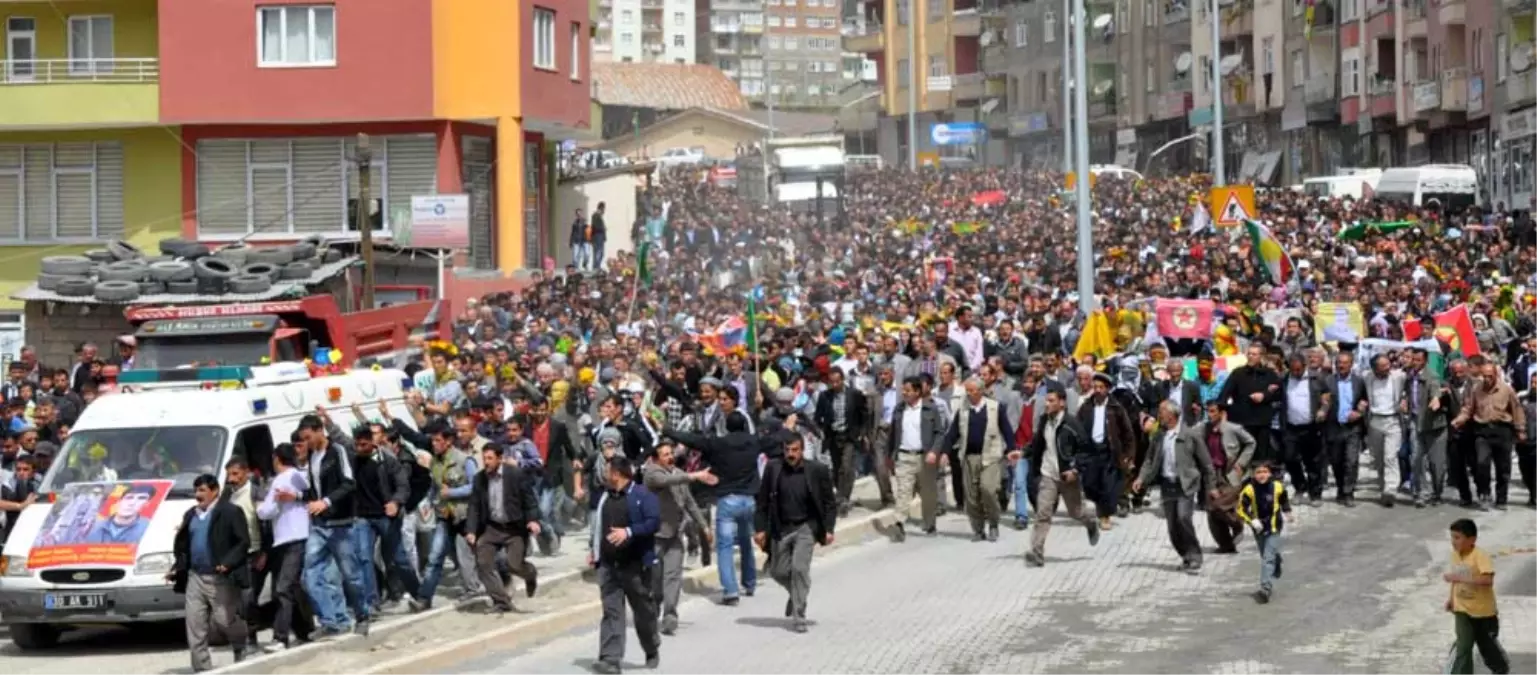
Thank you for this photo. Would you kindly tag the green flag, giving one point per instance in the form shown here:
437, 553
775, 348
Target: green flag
752, 324
1359, 230
643, 264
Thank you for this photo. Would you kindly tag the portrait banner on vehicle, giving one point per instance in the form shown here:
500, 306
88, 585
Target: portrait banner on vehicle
97, 523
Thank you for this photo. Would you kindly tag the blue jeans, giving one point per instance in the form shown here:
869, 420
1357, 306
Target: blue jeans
734, 528
1022, 490
551, 524
329, 551
443, 537
1270, 558
387, 533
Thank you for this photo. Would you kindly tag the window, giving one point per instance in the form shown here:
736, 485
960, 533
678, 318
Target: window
936, 65
1501, 57
814, 90
678, 40
1021, 33
789, 22
1124, 88
626, 38
1350, 77
677, 19
790, 3
1149, 13
61, 191
829, 67
544, 38
1205, 74
904, 7
90, 45
1299, 74
792, 43
829, 22
814, 67
1151, 76
773, 21
1050, 23
1267, 56
776, 65
1122, 23
576, 50
626, 17
904, 72
297, 35
773, 42
793, 66
1478, 51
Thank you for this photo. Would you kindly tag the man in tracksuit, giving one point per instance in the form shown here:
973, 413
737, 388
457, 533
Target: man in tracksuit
330, 501
383, 489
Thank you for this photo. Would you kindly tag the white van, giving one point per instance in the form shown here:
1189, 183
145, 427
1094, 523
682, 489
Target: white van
1454, 186
96, 547
1352, 184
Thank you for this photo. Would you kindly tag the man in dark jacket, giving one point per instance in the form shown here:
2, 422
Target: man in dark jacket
1109, 448
1054, 454
211, 569
553, 441
331, 502
504, 511
1345, 428
842, 415
383, 492
671, 485
795, 512
1250, 392
624, 539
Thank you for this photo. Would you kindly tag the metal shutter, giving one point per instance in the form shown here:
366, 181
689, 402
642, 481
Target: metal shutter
411, 170
11, 216
271, 209
317, 175
478, 178
533, 244
74, 208
109, 190
39, 190
221, 188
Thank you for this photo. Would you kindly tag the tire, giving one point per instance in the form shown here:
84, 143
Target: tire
67, 265
236, 254
76, 287
269, 270
174, 270
151, 287
277, 255
34, 636
188, 287
122, 250
304, 251
181, 248
123, 270
212, 285
298, 270
250, 283
213, 268
100, 255
50, 282
331, 255
116, 291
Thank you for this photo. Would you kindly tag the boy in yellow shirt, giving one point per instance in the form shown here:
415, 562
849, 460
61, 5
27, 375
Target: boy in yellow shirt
1471, 601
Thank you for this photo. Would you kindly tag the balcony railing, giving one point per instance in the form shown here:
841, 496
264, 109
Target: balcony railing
1383, 86
1454, 89
968, 86
1449, 12
1426, 97
79, 71
864, 39
966, 23
1319, 89
1175, 12
1520, 89
652, 28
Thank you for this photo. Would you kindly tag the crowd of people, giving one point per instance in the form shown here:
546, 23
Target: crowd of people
722, 390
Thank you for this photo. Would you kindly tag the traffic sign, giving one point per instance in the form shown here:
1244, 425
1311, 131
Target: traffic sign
1231, 205
1072, 181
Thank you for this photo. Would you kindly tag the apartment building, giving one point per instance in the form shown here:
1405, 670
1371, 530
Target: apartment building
731, 39
1515, 64
646, 31
243, 125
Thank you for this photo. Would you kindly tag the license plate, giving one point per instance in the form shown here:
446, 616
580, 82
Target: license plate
73, 601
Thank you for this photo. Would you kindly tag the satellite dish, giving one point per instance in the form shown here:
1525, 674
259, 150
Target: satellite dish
1182, 64
1521, 57
1230, 63
1103, 87
1102, 21
986, 39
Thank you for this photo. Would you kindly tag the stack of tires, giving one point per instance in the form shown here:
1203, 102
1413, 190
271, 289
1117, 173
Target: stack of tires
122, 273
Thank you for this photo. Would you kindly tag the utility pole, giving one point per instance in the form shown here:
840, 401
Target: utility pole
1085, 226
912, 84
1218, 174
1067, 92
365, 158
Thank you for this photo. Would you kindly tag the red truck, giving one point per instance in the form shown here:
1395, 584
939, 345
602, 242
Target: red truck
285, 330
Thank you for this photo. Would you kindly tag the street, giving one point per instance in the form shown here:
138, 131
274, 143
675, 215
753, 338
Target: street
1361, 593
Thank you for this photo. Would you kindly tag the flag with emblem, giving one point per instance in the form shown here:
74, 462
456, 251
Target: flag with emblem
1454, 328
1270, 254
1184, 318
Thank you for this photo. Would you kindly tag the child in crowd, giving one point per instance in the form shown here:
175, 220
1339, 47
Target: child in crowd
1471, 601
1261, 503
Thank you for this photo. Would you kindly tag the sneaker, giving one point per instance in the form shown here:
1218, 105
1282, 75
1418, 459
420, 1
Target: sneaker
899, 535
605, 668
360, 628
417, 605
748, 591
1021, 523
1387, 501
978, 536
1105, 524
992, 532
653, 660
1262, 596
1034, 559
798, 625
731, 601
931, 530
327, 632
274, 646
669, 626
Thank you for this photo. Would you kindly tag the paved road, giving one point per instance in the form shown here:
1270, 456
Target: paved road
1361, 593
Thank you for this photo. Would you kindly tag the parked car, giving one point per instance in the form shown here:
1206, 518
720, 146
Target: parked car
681, 156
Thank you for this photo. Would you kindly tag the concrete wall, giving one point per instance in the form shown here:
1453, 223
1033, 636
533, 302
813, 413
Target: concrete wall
617, 190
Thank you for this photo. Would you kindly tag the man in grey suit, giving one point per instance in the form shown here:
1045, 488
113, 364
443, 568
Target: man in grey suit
1230, 468
671, 486
1181, 466
1430, 420
916, 425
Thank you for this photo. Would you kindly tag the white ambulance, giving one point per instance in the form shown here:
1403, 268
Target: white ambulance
96, 548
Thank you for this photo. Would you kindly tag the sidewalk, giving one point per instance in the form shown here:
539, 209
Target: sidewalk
564, 581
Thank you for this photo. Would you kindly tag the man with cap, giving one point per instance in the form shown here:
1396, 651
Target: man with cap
1109, 447
127, 347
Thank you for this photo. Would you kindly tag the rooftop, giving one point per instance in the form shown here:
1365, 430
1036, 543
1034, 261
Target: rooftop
665, 86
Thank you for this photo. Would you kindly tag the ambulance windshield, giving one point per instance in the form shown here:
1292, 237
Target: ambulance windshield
178, 454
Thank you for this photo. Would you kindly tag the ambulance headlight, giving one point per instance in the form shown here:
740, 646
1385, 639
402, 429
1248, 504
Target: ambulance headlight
13, 566
157, 564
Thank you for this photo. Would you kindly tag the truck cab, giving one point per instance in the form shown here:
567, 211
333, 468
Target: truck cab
96, 546
287, 330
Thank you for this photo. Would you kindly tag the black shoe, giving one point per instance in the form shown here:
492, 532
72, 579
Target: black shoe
653, 660
1419, 503
1278, 560
1033, 559
798, 625
704, 556
239, 655
532, 584
1020, 524
748, 591
669, 626
789, 609
730, 602
992, 532
1193, 569
1093, 529
843, 510
1387, 501
1466, 503
978, 536
605, 668
899, 535
1499, 506
931, 530
1350, 502
1262, 596
1228, 551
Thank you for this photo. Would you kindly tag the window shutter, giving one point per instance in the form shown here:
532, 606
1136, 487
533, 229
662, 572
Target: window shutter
271, 207
109, 190
317, 175
39, 190
221, 188
10, 206
412, 170
74, 210
478, 179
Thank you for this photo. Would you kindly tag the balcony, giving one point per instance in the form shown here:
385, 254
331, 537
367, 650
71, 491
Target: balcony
1320, 99
725, 50
966, 23
1520, 90
1452, 12
995, 58
975, 86
1414, 19
1518, 7
654, 47
736, 5
1383, 98
1175, 12
1454, 89
1237, 21
1169, 105
726, 28
872, 39
651, 27
79, 93
1424, 98
1238, 100
651, 4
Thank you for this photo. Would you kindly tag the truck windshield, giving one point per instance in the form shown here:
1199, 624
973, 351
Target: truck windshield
178, 454
230, 350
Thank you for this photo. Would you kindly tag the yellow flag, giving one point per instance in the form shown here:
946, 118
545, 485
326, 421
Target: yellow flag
1097, 338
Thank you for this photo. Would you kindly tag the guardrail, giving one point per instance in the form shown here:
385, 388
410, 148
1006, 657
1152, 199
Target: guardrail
79, 71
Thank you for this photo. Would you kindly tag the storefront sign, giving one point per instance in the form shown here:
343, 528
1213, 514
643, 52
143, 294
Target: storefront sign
440, 221
1475, 93
958, 133
1024, 125
1519, 124
1427, 96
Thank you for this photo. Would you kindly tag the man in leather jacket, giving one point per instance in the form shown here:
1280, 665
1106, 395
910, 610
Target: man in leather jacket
1058, 444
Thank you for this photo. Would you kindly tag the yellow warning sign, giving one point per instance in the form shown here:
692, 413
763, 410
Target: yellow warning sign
928, 159
1072, 181
1231, 205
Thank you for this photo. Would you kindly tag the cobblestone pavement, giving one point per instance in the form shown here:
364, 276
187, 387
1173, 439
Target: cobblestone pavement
1361, 593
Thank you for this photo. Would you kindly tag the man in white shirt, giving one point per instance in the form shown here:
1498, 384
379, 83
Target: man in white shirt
915, 426
1384, 430
969, 337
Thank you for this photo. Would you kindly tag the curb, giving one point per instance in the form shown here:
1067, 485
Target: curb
543, 628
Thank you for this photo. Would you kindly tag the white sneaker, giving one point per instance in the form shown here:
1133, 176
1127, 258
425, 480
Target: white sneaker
273, 647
